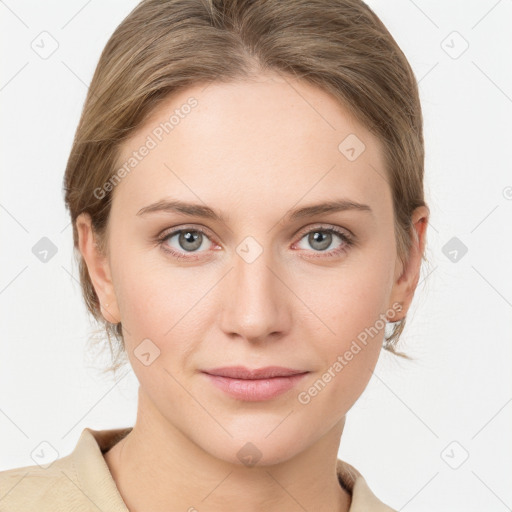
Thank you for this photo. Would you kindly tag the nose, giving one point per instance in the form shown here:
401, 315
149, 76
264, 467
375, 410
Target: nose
257, 302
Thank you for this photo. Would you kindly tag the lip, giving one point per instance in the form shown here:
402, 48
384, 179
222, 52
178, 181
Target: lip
254, 384
241, 372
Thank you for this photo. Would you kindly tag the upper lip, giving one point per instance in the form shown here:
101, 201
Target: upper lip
241, 372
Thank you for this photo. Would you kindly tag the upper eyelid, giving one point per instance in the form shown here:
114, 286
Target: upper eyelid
326, 227
174, 231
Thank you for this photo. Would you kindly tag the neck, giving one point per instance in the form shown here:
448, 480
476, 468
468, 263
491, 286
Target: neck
157, 467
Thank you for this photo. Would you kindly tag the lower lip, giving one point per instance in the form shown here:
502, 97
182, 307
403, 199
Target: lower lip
253, 390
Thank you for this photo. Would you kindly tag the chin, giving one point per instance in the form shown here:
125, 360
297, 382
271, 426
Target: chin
253, 446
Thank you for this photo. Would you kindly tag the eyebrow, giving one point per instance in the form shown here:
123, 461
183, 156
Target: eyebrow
198, 210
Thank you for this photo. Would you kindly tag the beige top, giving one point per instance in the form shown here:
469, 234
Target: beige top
82, 482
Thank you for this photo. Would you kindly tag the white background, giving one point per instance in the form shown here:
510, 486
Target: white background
459, 328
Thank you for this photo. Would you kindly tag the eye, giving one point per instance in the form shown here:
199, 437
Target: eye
321, 238
186, 243
186, 240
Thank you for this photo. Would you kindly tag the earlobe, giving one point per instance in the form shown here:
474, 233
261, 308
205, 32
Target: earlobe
107, 313
98, 267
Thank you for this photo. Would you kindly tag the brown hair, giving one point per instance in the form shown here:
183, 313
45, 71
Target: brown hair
340, 46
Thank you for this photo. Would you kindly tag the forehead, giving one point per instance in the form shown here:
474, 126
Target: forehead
252, 143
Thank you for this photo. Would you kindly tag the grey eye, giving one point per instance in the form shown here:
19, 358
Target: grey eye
189, 240
320, 240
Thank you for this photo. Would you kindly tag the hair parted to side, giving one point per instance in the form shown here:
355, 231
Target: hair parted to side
340, 46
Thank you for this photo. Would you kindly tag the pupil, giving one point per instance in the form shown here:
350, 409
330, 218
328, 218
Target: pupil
190, 237
322, 238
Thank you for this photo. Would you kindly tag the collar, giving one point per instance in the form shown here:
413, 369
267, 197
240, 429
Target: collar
97, 482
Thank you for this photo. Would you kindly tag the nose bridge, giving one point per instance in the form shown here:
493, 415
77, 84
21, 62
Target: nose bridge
256, 304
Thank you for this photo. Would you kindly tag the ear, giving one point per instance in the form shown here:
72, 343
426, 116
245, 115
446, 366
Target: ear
406, 278
98, 267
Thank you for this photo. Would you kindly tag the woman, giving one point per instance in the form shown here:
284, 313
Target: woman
246, 192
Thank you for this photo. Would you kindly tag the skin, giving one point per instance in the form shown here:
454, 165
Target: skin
252, 150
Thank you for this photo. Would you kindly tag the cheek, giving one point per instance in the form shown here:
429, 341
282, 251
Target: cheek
354, 299
349, 357
353, 311
144, 293
159, 302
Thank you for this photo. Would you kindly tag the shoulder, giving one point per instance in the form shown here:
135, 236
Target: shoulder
78, 482
32, 487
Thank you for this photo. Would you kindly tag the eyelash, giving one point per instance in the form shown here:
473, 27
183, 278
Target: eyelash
347, 240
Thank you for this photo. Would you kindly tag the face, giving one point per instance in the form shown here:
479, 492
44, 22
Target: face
253, 276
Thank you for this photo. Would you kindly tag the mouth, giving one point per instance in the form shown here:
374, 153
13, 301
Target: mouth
257, 384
